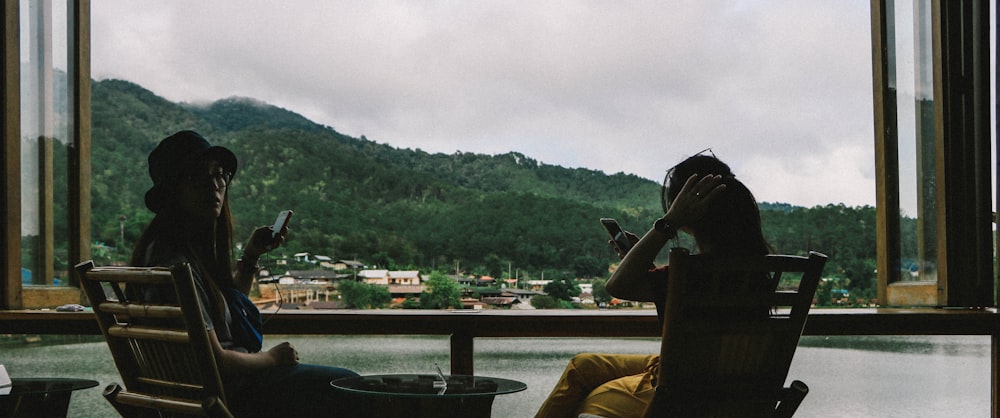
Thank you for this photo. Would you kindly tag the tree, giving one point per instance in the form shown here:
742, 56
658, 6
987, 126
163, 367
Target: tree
441, 292
410, 303
823, 296
588, 266
544, 302
600, 293
562, 289
360, 295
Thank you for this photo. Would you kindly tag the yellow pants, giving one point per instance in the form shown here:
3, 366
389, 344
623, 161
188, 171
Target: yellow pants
609, 385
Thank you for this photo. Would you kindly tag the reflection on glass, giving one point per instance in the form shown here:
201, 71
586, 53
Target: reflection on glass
44, 142
911, 78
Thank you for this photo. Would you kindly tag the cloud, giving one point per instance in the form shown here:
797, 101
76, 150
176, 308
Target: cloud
811, 180
616, 86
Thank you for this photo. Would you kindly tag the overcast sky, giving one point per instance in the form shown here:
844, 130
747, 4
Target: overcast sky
781, 90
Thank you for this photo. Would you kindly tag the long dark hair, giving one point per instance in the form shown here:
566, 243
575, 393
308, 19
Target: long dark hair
731, 224
169, 230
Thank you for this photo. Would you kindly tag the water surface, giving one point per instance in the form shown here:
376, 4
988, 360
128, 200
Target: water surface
885, 377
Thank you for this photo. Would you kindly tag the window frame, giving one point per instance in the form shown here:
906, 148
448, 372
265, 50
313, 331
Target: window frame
963, 199
10, 199
12, 294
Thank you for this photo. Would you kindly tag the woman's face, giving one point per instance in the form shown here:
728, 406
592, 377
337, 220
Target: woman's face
202, 190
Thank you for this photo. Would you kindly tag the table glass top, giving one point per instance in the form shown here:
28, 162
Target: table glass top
428, 385
40, 385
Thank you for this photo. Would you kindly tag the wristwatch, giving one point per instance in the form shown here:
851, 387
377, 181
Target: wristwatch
243, 266
664, 227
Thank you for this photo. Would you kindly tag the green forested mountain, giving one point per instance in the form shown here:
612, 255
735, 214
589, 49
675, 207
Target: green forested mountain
399, 208
356, 198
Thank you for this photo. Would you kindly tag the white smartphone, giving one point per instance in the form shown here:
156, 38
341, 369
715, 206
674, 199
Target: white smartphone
281, 222
622, 242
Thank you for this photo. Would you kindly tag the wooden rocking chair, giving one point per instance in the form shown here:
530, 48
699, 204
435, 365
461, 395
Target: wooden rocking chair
162, 351
714, 363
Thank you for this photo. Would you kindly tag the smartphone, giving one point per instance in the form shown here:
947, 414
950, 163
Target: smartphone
281, 222
622, 242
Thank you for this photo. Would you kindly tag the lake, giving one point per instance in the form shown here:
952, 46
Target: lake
885, 376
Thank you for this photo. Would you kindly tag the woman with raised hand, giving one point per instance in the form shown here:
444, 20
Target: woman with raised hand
701, 197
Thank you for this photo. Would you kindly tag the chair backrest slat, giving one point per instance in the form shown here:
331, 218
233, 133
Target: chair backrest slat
140, 332
141, 311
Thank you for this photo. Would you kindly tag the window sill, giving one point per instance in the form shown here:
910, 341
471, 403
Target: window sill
40, 297
912, 293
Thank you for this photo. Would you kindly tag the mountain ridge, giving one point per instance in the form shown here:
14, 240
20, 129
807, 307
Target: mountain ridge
281, 151
407, 208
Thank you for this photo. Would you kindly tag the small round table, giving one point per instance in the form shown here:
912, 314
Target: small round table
40, 396
425, 395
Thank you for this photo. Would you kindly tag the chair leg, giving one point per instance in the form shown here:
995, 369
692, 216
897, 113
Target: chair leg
214, 408
795, 394
111, 394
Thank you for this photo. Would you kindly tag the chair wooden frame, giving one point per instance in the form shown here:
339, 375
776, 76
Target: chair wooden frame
726, 364
162, 351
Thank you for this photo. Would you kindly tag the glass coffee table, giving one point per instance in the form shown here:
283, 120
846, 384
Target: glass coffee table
40, 397
425, 395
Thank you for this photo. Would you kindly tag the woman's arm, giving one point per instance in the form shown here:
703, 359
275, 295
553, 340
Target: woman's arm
246, 270
630, 280
236, 362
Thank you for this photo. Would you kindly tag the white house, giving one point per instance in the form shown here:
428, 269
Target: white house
522, 295
404, 277
374, 276
538, 284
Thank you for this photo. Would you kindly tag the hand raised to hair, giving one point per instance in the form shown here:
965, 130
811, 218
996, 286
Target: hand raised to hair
694, 199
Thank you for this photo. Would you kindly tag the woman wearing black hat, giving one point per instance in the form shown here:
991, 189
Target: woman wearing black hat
193, 225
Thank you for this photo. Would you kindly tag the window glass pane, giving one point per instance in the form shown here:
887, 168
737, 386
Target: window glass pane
911, 75
44, 141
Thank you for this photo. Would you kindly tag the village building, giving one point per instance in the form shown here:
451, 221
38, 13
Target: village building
347, 264
405, 277
522, 295
403, 292
538, 285
374, 277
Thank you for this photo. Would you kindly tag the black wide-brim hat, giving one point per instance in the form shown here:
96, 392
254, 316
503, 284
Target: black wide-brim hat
175, 154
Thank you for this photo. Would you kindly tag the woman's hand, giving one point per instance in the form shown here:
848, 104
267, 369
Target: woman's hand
693, 199
630, 280
261, 241
633, 238
232, 362
284, 354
